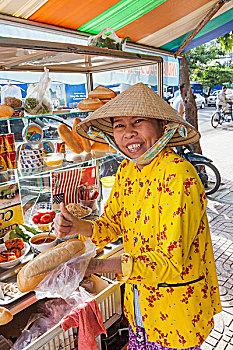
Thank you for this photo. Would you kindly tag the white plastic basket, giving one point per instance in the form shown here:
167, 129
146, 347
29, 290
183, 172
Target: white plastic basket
109, 301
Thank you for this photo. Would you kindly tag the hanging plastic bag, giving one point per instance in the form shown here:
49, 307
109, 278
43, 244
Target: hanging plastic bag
109, 41
11, 96
38, 100
65, 279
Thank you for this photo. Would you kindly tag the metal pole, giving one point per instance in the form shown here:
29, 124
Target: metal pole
89, 79
160, 79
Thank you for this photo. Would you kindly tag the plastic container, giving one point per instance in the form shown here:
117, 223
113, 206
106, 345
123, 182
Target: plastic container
107, 184
90, 203
108, 297
53, 159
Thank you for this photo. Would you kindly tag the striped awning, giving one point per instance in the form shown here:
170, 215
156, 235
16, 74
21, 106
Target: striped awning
162, 24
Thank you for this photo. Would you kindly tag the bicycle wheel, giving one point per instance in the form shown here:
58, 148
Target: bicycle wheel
215, 120
209, 175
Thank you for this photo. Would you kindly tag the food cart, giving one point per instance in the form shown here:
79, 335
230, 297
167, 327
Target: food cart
35, 185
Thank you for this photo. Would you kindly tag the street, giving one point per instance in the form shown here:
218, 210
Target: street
217, 144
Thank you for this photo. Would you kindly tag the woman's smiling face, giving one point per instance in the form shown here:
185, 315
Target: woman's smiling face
135, 135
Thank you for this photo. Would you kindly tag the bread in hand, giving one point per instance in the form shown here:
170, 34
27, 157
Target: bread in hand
25, 284
53, 257
5, 316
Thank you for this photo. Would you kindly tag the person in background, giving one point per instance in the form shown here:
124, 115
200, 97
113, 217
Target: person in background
178, 103
158, 205
221, 100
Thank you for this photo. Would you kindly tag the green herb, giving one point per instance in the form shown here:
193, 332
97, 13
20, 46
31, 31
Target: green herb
33, 105
109, 43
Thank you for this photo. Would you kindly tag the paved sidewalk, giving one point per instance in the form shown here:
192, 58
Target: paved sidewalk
220, 216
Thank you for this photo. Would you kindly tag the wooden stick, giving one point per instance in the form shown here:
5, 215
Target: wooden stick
200, 25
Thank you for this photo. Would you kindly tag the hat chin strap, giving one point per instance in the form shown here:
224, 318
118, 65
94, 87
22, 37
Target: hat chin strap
153, 151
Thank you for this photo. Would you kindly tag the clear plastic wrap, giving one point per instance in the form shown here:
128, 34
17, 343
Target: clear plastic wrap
65, 279
34, 329
38, 100
11, 95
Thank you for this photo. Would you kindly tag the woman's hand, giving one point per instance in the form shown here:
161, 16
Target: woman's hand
65, 224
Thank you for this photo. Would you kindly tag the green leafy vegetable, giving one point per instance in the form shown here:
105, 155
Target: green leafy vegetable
19, 233
31, 229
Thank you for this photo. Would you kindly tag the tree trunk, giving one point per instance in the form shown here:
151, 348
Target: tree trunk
187, 95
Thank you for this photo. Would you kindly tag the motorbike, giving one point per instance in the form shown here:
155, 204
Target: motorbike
206, 170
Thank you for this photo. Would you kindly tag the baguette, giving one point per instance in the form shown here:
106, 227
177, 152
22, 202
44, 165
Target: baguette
86, 145
102, 92
90, 104
25, 284
68, 137
102, 147
5, 316
106, 100
53, 257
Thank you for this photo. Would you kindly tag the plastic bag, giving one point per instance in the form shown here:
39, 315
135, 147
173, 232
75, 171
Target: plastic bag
38, 100
110, 41
11, 96
56, 309
33, 330
65, 279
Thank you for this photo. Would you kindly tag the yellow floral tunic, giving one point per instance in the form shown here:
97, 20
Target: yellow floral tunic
161, 213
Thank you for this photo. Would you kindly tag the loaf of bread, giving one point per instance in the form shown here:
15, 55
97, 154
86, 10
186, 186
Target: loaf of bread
102, 147
25, 284
37, 269
53, 257
5, 316
90, 104
68, 137
86, 145
102, 92
6, 111
106, 100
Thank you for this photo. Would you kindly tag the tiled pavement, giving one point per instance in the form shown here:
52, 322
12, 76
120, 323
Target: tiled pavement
221, 224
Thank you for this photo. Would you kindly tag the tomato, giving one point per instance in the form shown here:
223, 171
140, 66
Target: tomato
46, 219
36, 218
52, 214
42, 212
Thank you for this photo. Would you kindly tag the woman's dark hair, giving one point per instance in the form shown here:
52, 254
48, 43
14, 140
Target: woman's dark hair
111, 118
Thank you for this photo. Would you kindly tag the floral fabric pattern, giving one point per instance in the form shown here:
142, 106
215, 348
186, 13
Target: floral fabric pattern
138, 341
161, 213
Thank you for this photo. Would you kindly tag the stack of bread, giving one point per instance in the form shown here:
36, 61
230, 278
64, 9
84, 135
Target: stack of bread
96, 98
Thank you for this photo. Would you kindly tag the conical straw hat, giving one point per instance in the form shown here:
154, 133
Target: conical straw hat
137, 101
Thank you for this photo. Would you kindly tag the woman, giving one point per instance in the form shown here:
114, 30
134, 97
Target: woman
158, 204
